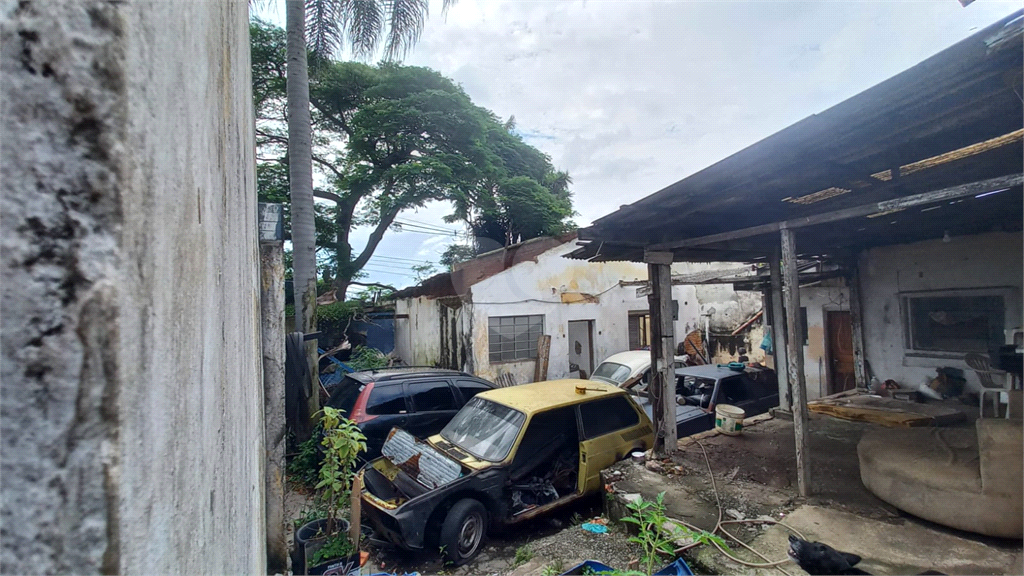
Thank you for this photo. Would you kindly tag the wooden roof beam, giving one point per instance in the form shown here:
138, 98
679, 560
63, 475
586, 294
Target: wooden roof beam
950, 193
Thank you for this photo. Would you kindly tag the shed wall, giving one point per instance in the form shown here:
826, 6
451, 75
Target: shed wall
992, 260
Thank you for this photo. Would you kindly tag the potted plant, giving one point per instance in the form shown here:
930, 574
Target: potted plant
327, 548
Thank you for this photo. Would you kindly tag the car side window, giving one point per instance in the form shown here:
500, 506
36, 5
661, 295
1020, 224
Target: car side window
731, 390
470, 388
607, 415
431, 396
386, 400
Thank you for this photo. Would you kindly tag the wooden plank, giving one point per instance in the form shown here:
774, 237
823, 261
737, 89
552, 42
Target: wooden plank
795, 359
663, 379
942, 195
355, 506
654, 257
778, 334
886, 411
540, 372
860, 372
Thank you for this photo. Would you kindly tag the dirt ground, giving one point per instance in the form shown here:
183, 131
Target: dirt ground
755, 474
556, 540
764, 455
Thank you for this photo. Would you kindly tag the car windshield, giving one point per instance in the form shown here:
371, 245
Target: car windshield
485, 429
611, 372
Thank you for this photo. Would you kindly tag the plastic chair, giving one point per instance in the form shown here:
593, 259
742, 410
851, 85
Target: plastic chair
983, 368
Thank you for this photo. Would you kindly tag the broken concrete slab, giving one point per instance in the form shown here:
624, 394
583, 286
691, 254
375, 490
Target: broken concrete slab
898, 547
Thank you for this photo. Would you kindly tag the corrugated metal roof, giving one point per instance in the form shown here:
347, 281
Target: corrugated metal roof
956, 118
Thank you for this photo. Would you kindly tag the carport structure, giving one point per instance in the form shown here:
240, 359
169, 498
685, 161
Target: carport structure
931, 153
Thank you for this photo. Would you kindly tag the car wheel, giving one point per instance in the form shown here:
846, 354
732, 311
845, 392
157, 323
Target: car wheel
463, 531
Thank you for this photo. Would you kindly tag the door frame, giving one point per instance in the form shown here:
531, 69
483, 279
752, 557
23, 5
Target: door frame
590, 342
828, 381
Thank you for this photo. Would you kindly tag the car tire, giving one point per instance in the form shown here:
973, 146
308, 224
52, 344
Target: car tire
462, 533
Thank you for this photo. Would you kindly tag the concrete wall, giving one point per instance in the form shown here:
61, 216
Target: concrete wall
819, 300
984, 261
132, 416
565, 290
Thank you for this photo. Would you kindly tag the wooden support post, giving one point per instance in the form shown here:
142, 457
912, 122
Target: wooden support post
663, 378
795, 359
540, 371
274, 422
778, 331
355, 519
860, 372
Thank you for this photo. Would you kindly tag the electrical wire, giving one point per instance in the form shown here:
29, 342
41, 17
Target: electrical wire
719, 527
418, 224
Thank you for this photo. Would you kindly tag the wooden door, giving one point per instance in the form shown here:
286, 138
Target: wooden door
840, 352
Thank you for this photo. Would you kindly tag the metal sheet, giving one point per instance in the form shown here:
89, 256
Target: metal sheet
420, 460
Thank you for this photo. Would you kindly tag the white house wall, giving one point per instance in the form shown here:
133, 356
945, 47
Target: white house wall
537, 288
985, 261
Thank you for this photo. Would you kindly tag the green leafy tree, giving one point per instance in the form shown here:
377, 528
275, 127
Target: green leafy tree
455, 254
330, 25
390, 138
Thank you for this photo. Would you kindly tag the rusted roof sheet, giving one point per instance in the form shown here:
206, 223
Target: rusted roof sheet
420, 460
459, 281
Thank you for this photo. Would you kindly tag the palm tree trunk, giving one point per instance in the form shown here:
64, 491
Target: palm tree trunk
300, 176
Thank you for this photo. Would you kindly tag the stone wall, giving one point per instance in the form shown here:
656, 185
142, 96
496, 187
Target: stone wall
132, 419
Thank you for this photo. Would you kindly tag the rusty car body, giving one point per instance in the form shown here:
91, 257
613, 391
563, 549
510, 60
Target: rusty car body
510, 454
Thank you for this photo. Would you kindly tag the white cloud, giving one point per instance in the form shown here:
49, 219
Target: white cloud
631, 96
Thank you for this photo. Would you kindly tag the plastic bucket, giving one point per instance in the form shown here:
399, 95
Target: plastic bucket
729, 419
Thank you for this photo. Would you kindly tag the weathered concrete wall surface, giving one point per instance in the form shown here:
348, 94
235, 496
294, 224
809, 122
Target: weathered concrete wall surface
994, 260
564, 290
819, 300
132, 417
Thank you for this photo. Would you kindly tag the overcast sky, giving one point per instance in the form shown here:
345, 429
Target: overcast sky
631, 96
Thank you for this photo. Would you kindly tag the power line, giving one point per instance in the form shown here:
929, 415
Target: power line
395, 258
422, 222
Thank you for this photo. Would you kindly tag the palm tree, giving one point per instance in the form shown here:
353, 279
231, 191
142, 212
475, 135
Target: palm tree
328, 24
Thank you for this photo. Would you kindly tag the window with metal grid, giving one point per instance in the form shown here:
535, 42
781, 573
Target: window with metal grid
514, 337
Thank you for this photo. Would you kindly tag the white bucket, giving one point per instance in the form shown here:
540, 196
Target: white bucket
729, 419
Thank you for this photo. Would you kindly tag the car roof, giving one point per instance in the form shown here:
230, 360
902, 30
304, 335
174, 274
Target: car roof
634, 359
712, 371
403, 372
540, 396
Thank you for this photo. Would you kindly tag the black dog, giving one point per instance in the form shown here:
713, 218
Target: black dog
824, 560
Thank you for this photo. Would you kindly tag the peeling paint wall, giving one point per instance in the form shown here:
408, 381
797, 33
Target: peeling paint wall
132, 413
564, 290
819, 300
994, 260
726, 310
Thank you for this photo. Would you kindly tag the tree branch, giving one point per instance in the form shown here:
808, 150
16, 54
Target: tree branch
328, 196
373, 285
371, 243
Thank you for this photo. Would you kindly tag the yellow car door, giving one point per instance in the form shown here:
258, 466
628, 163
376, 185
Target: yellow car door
612, 427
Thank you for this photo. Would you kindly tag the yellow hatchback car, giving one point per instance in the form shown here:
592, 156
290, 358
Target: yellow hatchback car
510, 454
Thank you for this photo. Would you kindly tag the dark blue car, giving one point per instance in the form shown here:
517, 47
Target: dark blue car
700, 388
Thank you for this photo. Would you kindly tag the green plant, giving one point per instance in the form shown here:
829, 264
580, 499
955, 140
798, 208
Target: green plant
342, 442
302, 466
523, 555
649, 517
365, 358
310, 513
576, 519
337, 546
553, 569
